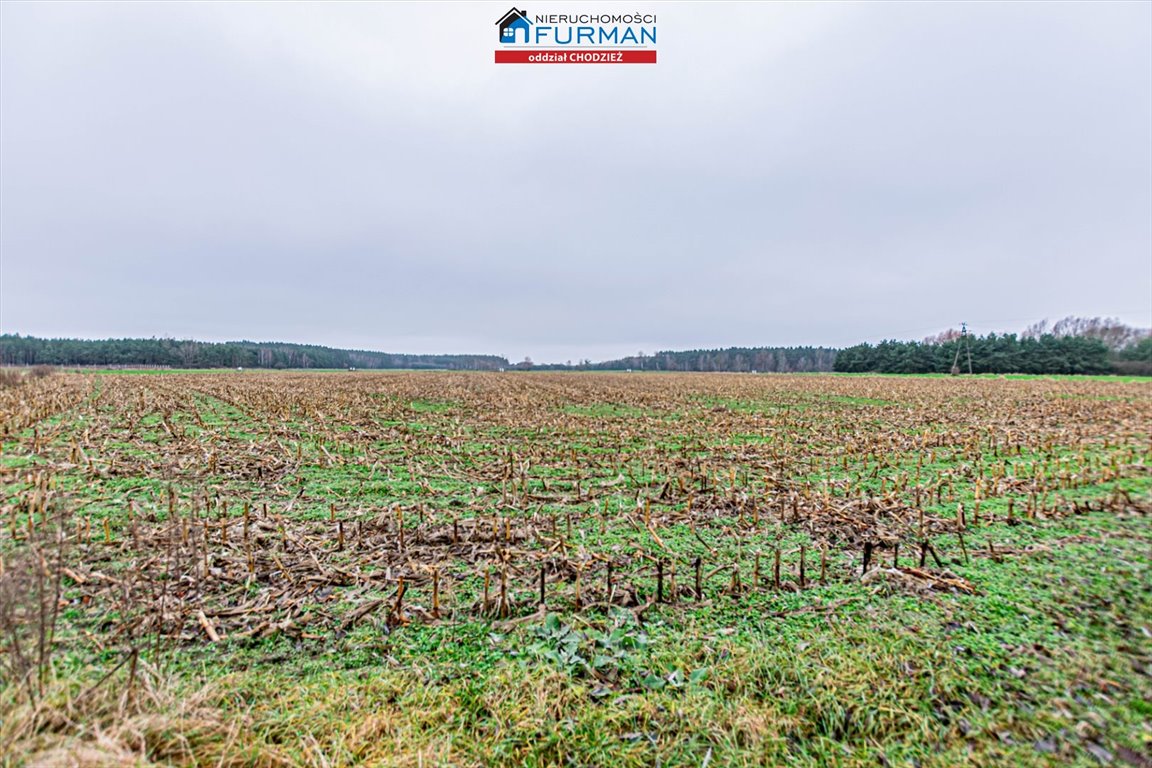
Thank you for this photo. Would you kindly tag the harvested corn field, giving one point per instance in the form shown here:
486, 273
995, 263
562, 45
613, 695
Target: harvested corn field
835, 569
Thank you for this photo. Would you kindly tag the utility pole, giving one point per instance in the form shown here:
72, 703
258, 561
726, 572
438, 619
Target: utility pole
967, 345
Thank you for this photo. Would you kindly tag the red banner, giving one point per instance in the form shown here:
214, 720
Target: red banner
582, 56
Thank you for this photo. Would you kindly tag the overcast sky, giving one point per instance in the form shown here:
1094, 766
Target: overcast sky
363, 175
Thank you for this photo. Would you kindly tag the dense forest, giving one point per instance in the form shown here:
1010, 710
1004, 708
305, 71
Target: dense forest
29, 350
1072, 345
989, 354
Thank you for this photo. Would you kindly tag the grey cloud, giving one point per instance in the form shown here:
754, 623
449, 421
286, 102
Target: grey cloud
363, 175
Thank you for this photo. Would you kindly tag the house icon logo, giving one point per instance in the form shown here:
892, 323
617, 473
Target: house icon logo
574, 38
511, 24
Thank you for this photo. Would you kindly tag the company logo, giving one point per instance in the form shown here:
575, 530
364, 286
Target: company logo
576, 38
513, 23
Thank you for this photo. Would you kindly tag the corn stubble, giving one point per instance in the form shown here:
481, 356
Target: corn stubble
190, 509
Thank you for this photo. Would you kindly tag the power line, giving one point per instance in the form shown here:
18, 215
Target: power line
967, 346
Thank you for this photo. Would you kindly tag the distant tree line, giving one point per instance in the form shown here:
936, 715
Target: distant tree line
732, 359
1072, 345
176, 353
